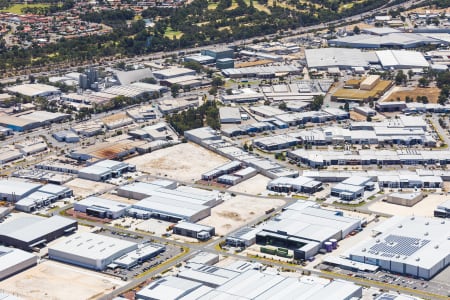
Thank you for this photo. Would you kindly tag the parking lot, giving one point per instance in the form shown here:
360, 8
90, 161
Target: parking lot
126, 274
431, 286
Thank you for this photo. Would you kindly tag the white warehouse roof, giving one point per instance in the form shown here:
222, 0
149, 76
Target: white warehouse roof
401, 59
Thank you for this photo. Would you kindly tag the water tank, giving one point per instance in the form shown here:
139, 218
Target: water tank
328, 246
333, 243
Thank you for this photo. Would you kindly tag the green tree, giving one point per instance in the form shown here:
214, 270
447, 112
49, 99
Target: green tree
423, 82
175, 89
317, 102
282, 106
356, 30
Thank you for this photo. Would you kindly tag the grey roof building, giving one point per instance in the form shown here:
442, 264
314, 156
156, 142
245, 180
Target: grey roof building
32, 231
415, 246
13, 261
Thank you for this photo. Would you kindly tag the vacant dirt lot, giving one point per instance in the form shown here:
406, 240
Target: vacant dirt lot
255, 185
185, 162
53, 280
84, 188
237, 211
432, 94
423, 208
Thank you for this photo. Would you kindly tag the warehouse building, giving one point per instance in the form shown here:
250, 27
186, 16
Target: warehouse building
66, 136
261, 72
243, 237
89, 250
405, 199
402, 59
352, 188
101, 208
341, 58
44, 196
29, 232
141, 190
170, 288
13, 261
414, 246
277, 142
105, 169
143, 253
299, 184
197, 231
34, 90
173, 73
219, 53
210, 276
225, 283
172, 210
383, 38
14, 190
443, 210
230, 115
227, 168
304, 227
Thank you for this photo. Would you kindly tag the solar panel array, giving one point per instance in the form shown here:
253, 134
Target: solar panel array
394, 245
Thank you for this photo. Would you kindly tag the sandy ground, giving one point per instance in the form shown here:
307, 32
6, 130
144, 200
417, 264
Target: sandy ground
84, 188
185, 162
237, 211
255, 185
53, 280
423, 208
432, 94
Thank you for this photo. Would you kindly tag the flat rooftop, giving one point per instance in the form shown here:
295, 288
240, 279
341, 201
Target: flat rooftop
92, 246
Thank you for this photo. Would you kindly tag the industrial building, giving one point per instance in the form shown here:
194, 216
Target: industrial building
219, 53
261, 72
383, 38
277, 142
401, 59
29, 232
243, 237
342, 58
227, 168
414, 246
13, 261
101, 208
160, 199
405, 199
229, 115
89, 250
44, 196
197, 231
35, 119
352, 188
245, 95
443, 210
304, 228
144, 252
168, 209
14, 190
299, 184
173, 73
105, 169
204, 282
34, 90
66, 136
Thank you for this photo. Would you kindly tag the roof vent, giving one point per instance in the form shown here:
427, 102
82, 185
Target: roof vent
436, 247
412, 218
363, 250
427, 223
400, 226
426, 233
417, 259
